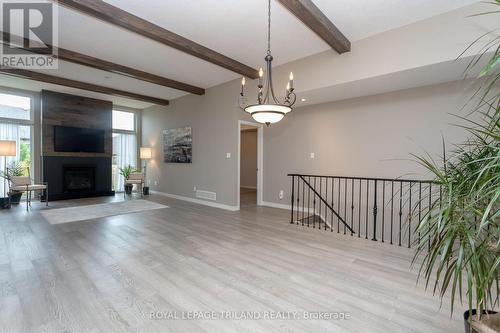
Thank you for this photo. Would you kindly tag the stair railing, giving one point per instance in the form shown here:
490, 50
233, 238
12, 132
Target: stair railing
379, 209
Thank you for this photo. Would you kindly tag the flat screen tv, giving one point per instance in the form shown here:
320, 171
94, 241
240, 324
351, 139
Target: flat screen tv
79, 140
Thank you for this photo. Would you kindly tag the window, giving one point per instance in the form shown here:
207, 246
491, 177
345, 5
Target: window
124, 145
16, 125
123, 121
15, 107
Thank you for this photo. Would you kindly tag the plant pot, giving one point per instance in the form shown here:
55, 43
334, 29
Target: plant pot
4, 203
128, 188
468, 329
15, 197
145, 190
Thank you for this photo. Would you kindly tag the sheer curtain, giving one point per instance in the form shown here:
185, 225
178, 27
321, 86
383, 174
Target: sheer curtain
8, 132
124, 153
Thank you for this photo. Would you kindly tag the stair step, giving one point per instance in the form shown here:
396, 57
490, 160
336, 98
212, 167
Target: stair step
312, 220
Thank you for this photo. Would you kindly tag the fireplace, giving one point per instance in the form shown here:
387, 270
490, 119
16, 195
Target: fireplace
72, 177
78, 178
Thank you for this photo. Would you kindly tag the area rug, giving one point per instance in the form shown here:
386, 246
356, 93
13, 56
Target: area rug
82, 213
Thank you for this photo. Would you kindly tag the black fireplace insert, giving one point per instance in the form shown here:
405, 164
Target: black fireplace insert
78, 178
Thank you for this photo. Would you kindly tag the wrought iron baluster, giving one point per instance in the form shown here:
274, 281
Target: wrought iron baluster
392, 208
383, 210
419, 208
359, 210
338, 207
375, 211
367, 204
332, 219
352, 205
400, 210
308, 202
325, 218
293, 199
320, 194
409, 217
314, 204
303, 202
345, 203
430, 203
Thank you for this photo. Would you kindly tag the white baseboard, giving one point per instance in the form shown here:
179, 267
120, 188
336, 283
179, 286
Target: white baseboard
198, 201
276, 205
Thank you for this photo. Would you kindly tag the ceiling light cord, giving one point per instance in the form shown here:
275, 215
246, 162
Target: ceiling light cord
269, 27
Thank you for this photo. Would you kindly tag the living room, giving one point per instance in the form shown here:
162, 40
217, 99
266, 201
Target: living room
249, 166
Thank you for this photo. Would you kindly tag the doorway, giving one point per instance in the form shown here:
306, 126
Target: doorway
250, 164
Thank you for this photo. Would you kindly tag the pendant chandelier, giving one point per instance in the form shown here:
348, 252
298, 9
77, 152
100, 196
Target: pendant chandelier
269, 109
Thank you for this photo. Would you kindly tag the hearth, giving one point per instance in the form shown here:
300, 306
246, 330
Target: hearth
78, 178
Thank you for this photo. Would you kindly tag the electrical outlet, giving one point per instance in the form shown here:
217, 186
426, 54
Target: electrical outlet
312, 155
156, 183
228, 155
194, 189
281, 195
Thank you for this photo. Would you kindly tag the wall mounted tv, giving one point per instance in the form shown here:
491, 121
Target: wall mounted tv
78, 140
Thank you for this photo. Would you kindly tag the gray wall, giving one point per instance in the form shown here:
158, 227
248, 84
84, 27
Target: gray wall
370, 136
367, 136
248, 164
214, 121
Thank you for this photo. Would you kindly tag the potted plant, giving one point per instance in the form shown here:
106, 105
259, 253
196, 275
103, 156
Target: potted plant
13, 170
125, 172
459, 245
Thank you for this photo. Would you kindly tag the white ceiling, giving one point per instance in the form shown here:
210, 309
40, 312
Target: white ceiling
235, 28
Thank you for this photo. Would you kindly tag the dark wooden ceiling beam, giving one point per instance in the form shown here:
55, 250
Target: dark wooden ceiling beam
313, 17
46, 78
126, 20
104, 65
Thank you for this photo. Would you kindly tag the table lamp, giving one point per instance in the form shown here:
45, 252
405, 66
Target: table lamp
7, 148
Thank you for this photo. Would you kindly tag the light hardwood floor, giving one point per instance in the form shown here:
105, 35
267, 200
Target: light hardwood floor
248, 198
110, 274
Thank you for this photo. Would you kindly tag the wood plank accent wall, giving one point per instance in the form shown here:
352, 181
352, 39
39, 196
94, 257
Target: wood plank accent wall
75, 111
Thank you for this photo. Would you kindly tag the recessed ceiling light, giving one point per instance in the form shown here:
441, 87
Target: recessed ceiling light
303, 99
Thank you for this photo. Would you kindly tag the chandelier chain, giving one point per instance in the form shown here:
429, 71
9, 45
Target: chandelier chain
269, 27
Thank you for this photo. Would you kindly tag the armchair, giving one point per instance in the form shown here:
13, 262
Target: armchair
136, 178
24, 184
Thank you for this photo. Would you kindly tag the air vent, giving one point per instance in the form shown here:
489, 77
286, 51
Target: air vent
206, 195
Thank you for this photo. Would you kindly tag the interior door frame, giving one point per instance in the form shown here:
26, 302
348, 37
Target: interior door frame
260, 159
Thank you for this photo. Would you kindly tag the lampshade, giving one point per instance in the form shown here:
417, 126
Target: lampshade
145, 153
267, 117
7, 148
268, 107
